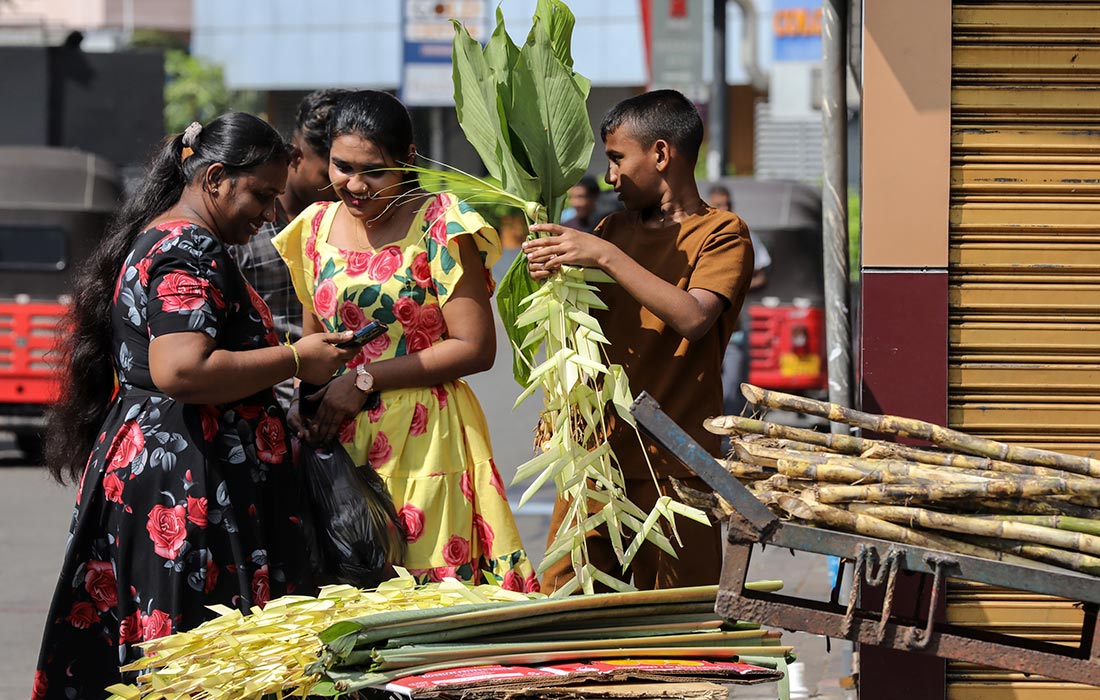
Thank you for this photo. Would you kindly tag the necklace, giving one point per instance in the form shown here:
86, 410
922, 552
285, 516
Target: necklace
389, 230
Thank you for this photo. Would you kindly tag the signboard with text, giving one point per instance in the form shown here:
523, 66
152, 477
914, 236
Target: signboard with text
675, 29
796, 25
426, 60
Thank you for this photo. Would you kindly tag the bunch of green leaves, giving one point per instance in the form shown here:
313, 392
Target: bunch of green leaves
524, 111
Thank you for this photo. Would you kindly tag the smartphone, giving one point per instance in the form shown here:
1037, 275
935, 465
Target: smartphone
364, 335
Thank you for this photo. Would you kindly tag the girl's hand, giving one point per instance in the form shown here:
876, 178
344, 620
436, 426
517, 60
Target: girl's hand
565, 246
339, 401
319, 358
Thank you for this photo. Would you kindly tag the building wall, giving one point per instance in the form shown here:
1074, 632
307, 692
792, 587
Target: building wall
904, 298
290, 45
70, 14
168, 15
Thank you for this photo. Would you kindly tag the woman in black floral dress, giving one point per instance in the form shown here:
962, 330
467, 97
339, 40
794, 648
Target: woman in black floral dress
188, 496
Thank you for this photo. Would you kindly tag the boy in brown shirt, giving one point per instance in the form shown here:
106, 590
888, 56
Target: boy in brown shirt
682, 269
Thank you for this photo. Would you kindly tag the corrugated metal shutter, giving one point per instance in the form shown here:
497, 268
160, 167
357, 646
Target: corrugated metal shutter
1025, 223
1024, 353
787, 148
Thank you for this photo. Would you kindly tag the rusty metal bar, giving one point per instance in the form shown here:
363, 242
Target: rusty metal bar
691, 453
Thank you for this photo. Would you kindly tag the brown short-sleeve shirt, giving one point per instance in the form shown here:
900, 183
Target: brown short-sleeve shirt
711, 251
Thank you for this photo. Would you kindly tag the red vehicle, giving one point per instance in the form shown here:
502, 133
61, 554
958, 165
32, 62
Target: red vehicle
787, 333
54, 204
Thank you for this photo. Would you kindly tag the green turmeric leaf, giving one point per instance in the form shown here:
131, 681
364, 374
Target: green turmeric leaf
550, 116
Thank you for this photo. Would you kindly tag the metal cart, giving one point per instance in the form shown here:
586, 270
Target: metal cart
878, 563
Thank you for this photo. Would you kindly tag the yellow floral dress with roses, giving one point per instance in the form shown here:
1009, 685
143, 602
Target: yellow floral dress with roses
430, 445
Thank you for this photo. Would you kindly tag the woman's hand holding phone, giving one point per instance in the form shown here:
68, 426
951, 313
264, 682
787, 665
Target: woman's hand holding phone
320, 355
364, 335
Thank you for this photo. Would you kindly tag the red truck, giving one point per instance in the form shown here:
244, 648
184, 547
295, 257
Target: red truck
54, 204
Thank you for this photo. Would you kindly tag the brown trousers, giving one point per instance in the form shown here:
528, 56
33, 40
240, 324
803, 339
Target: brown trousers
699, 560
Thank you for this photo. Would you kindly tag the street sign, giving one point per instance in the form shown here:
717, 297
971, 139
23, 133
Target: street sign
676, 47
796, 25
426, 64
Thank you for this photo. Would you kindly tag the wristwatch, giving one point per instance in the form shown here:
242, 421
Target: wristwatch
364, 380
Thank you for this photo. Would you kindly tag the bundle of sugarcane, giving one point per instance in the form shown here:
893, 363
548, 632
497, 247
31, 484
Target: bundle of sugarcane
964, 494
347, 639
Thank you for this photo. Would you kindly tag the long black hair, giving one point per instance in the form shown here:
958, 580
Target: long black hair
240, 142
314, 112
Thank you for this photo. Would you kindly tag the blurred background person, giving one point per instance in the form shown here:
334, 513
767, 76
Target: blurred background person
735, 363
306, 182
582, 200
186, 494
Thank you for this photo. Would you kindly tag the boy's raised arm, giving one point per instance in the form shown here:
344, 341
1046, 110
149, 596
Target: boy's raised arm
691, 313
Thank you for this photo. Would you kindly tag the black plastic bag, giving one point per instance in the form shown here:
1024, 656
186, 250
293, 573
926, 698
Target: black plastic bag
356, 530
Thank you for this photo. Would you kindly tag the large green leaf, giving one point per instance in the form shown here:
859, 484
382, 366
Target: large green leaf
559, 20
481, 115
501, 53
550, 116
514, 288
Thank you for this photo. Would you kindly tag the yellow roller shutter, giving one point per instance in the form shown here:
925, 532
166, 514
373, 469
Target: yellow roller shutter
1024, 342
1025, 223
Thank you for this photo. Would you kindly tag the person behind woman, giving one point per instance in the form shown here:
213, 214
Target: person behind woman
168, 418
420, 264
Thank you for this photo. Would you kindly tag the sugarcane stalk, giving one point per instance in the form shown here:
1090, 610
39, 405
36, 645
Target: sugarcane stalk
739, 425
885, 470
1056, 522
889, 450
930, 493
866, 447
967, 525
844, 474
743, 470
780, 482
1030, 507
1074, 561
861, 524
785, 444
911, 472
922, 430
707, 501
888, 471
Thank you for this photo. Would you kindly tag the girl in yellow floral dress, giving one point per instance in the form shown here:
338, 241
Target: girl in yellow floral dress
420, 264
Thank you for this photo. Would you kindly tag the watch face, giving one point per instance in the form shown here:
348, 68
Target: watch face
364, 382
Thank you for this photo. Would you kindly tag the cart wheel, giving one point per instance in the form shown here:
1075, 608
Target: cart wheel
31, 447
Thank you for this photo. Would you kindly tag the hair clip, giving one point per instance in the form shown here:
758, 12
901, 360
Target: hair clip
190, 135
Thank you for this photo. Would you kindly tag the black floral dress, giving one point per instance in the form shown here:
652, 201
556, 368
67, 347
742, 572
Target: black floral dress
181, 506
